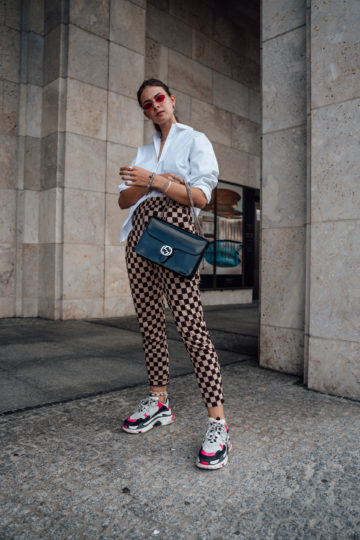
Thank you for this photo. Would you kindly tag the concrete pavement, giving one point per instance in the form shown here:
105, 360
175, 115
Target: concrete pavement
69, 472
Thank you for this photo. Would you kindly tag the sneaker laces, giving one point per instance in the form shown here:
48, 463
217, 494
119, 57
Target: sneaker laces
214, 432
146, 403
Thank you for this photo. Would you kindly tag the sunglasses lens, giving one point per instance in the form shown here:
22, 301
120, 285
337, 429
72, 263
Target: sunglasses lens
160, 98
147, 106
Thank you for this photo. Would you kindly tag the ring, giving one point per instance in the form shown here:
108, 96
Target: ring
130, 168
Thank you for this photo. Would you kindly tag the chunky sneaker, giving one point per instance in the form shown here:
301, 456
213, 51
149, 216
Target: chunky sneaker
216, 446
150, 412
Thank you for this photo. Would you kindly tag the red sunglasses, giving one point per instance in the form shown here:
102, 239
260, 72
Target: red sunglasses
149, 104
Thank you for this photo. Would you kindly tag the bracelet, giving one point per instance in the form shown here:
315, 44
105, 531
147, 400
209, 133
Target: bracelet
165, 187
152, 176
158, 393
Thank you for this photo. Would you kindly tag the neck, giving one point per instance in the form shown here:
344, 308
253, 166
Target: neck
166, 128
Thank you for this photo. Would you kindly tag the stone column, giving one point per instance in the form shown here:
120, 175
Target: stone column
283, 185
334, 282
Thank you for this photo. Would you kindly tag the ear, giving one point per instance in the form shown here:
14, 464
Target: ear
173, 100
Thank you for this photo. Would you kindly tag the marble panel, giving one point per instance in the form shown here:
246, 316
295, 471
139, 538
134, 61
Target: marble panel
49, 261
33, 111
335, 162
30, 285
88, 57
281, 16
10, 54
140, 3
116, 278
35, 16
254, 172
335, 51
226, 297
245, 71
85, 163
182, 106
118, 306
210, 53
169, 31
12, 14
284, 81
35, 43
8, 161
126, 70
198, 15
117, 156
214, 122
83, 272
282, 349
7, 271
245, 135
148, 131
86, 110
225, 31
156, 60
30, 307
335, 281
124, 18
160, 4
7, 304
284, 178
32, 163
7, 215
283, 277
50, 216
86, 308
28, 221
9, 105
334, 367
233, 164
84, 216
125, 120
231, 95
55, 59
53, 107
56, 12
190, 77
114, 220
254, 106
92, 15
52, 160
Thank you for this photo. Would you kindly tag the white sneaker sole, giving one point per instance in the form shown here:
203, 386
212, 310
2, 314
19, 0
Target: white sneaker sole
159, 421
217, 465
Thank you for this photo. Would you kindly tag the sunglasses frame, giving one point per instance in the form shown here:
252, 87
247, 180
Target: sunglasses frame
150, 104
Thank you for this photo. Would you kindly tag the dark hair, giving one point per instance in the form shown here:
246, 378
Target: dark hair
153, 82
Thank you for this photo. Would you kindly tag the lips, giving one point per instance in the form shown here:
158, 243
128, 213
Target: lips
157, 114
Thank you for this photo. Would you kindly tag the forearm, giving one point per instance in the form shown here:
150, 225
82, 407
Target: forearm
178, 192
130, 196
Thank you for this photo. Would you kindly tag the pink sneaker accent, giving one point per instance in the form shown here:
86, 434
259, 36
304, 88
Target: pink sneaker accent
221, 446
130, 419
204, 463
160, 404
145, 415
209, 454
173, 416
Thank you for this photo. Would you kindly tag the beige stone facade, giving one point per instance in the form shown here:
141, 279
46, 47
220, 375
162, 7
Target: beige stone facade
69, 118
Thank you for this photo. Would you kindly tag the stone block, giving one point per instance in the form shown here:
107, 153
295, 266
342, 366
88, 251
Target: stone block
245, 71
284, 81
30, 285
86, 110
32, 163
198, 15
281, 16
125, 120
156, 60
53, 106
7, 216
7, 275
10, 54
170, 31
33, 110
114, 220
117, 156
12, 14
30, 307
55, 58
7, 306
116, 278
284, 178
50, 265
34, 20
283, 277
35, 56
282, 349
182, 106
245, 135
190, 77
86, 308
84, 216
118, 306
335, 162
85, 163
52, 160
9, 107
335, 58
56, 12
233, 164
51, 216
28, 221
148, 131
214, 122
88, 57
334, 280
210, 53
83, 271
254, 172
231, 95
8, 161
91, 15
124, 18
160, 4
334, 367
126, 70
255, 106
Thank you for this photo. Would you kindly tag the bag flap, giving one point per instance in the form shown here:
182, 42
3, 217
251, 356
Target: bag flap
166, 233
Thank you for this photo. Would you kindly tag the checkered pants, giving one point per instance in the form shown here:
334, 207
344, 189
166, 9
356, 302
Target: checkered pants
149, 284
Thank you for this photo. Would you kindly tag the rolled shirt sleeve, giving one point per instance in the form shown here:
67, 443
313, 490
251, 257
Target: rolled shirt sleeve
204, 169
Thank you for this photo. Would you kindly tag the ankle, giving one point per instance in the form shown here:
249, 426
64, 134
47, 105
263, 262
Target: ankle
160, 396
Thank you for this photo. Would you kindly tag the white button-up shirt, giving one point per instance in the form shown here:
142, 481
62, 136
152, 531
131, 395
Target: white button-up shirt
186, 153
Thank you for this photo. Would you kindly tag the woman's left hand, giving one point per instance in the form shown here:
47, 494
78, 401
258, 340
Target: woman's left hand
135, 176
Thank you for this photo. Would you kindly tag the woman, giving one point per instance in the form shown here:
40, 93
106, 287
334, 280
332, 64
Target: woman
157, 172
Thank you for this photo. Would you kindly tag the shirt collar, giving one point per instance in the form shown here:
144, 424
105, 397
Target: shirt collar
176, 126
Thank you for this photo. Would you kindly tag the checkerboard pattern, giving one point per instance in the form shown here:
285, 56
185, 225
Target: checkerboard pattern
149, 285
